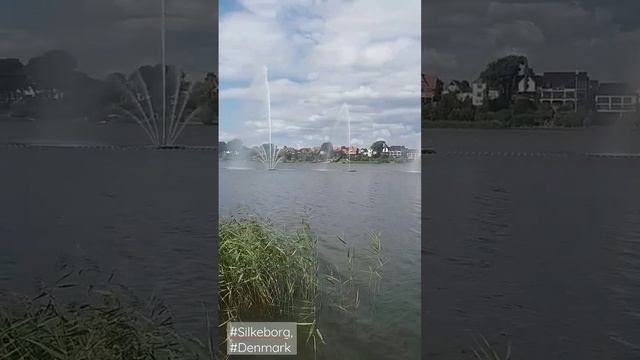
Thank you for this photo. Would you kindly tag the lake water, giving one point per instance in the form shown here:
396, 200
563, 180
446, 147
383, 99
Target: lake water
148, 216
528, 238
384, 198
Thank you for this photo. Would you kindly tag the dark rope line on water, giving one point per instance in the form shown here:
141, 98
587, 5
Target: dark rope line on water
539, 154
106, 147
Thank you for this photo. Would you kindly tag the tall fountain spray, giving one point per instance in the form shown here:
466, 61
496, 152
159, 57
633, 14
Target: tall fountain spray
270, 156
161, 126
347, 114
164, 71
268, 101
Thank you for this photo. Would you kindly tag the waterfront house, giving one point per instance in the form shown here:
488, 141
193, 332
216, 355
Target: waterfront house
616, 98
565, 89
527, 82
453, 87
431, 89
385, 150
397, 151
413, 154
481, 93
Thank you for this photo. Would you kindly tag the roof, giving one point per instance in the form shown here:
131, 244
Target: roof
615, 89
430, 84
396, 148
561, 80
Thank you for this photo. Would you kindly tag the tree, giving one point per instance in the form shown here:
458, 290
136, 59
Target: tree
86, 94
52, 70
12, 78
235, 145
523, 105
465, 87
326, 149
377, 147
205, 95
114, 88
503, 74
222, 147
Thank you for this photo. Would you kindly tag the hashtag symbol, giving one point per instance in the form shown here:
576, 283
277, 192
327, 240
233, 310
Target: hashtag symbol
233, 347
234, 331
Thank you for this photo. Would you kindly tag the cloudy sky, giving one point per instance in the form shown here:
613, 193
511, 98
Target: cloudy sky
320, 54
599, 36
112, 35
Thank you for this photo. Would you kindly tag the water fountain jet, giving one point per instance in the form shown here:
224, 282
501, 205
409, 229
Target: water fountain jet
345, 110
271, 156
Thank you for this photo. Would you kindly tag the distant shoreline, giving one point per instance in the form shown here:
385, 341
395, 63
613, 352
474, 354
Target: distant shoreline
490, 125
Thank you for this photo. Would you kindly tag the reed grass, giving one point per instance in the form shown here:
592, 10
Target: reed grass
106, 325
265, 271
271, 274
485, 351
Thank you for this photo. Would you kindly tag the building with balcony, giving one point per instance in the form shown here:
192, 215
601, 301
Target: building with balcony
616, 98
397, 151
570, 89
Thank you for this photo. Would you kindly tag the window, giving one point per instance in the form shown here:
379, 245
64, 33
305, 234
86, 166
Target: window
628, 100
616, 100
546, 95
602, 100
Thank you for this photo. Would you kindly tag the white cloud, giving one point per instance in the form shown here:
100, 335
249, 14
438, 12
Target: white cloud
321, 55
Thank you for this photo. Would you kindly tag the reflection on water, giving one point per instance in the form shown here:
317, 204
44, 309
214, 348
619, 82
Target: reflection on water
539, 250
380, 197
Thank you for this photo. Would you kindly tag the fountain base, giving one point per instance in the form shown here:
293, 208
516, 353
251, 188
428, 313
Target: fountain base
170, 147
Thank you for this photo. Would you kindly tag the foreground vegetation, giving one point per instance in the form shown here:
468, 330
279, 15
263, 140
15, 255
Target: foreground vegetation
271, 274
106, 325
485, 351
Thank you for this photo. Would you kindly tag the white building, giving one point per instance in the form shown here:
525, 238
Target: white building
527, 85
481, 93
616, 98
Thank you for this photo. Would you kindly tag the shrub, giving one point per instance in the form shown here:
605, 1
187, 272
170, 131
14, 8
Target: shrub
463, 114
481, 115
503, 116
525, 119
523, 106
571, 119
26, 108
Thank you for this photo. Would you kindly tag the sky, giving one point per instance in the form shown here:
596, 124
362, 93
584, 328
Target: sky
320, 55
112, 35
460, 37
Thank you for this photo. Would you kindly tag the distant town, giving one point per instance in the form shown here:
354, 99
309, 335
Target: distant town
508, 93
379, 150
